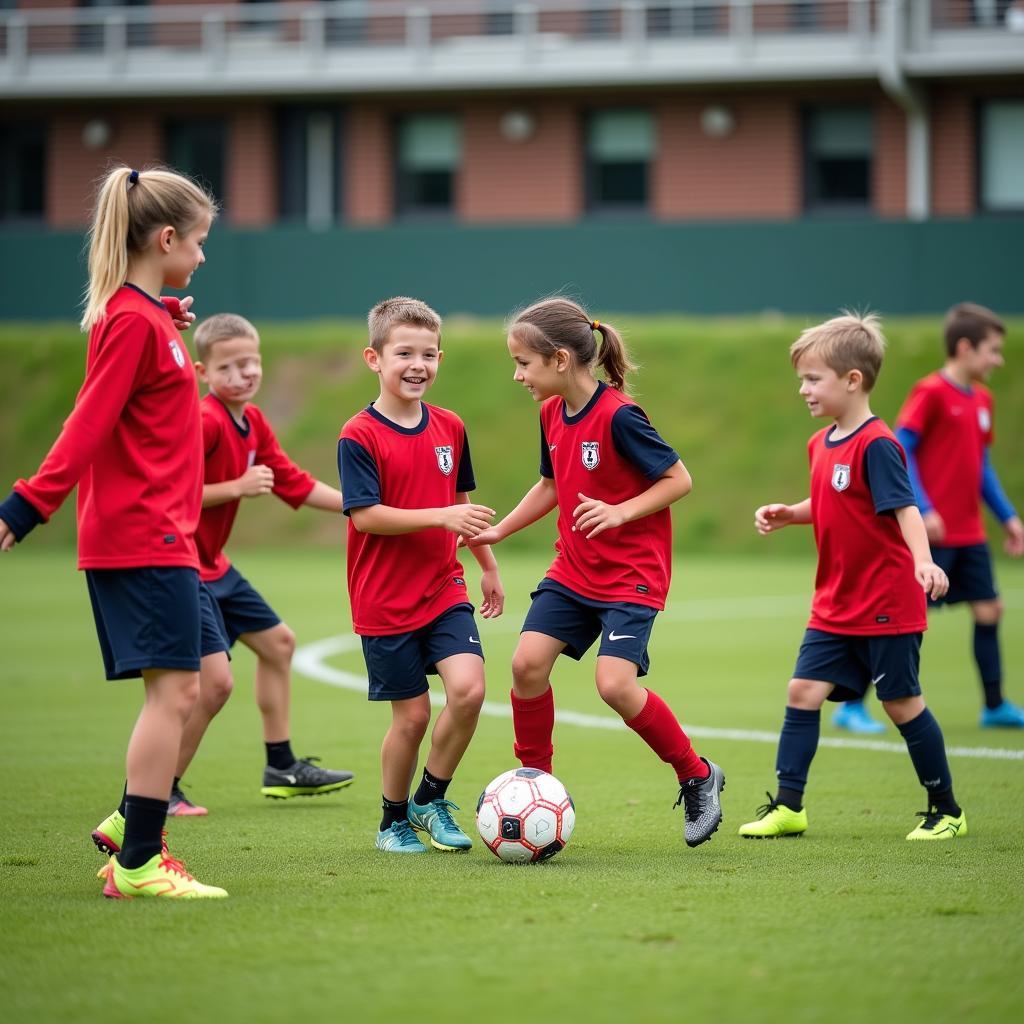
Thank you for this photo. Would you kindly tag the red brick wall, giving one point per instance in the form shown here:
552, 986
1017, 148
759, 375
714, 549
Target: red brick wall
890, 166
754, 172
251, 167
538, 179
953, 157
368, 177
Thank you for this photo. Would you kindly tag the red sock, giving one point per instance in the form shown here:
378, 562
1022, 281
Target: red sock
661, 731
534, 721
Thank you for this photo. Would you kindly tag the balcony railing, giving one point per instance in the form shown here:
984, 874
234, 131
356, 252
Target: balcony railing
45, 50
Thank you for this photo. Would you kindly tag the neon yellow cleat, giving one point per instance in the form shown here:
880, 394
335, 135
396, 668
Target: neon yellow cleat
939, 826
161, 875
108, 835
774, 821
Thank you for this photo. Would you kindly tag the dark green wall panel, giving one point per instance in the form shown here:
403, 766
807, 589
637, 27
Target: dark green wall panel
707, 268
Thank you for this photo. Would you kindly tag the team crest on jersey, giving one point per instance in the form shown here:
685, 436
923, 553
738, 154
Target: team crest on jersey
590, 452
445, 462
984, 419
840, 476
179, 356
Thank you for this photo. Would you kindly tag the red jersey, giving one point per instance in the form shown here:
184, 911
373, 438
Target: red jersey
865, 584
955, 427
399, 583
608, 451
230, 449
132, 444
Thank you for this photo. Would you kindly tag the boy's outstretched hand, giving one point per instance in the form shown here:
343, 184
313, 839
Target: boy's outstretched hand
468, 521
769, 518
1014, 543
933, 580
7, 540
494, 594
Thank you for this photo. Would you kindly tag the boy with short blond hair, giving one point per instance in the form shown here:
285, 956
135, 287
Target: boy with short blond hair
406, 472
243, 459
946, 427
874, 569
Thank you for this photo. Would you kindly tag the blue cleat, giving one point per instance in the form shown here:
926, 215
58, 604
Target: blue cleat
853, 717
436, 820
1006, 716
400, 838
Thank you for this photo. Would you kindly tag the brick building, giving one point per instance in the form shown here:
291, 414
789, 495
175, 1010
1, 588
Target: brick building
372, 112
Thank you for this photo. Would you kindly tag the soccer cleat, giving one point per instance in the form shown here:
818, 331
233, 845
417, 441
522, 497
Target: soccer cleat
1006, 716
108, 835
104, 872
161, 876
939, 826
774, 821
302, 779
854, 717
180, 806
399, 838
436, 820
702, 805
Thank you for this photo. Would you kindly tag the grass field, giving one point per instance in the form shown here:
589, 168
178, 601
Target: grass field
848, 923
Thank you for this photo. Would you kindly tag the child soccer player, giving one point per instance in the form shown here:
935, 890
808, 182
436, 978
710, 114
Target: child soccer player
133, 444
244, 460
405, 471
946, 428
874, 569
612, 478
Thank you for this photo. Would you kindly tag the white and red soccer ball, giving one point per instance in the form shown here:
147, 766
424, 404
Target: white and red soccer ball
525, 815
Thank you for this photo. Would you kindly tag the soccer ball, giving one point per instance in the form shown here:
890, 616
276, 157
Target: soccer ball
525, 815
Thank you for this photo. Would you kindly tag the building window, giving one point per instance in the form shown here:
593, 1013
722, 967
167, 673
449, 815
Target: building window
22, 171
428, 158
1001, 153
838, 148
196, 147
91, 35
308, 165
620, 147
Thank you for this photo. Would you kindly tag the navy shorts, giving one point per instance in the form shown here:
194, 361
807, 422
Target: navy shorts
398, 664
853, 663
969, 569
624, 628
152, 617
241, 607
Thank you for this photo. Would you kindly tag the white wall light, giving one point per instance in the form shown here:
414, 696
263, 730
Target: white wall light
717, 122
517, 125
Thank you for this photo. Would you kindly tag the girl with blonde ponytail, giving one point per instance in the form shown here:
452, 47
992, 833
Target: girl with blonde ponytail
133, 445
612, 478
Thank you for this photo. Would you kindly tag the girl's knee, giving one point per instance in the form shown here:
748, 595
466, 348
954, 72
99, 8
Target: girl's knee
527, 668
217, 686
903, 710
988, 613
411, 722
466, 698
807, 694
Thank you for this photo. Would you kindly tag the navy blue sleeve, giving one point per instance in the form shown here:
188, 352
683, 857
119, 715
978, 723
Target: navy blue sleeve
888, 479
546, 469
638, 442
20, 515
465, 481
910, 439
991, 491
360, 480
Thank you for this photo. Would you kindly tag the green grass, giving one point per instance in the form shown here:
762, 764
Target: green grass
720, 390
848, 923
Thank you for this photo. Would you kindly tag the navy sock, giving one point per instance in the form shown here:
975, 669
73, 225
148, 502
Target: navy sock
279, 755
124, 795
430, 788
176, 783
143, 830
798, 744
928, 752
394, 810
990, 668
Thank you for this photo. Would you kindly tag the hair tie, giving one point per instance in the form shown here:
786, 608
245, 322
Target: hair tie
595, 325
133, 178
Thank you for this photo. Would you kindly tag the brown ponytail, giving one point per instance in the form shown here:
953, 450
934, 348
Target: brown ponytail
130, 206
559, 323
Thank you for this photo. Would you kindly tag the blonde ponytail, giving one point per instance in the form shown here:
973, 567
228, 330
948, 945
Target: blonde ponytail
130, 206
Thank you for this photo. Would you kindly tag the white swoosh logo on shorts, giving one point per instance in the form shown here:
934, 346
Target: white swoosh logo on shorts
621, 636
877, 679
473, 640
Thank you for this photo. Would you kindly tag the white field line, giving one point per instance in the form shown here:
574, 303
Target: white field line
310, 660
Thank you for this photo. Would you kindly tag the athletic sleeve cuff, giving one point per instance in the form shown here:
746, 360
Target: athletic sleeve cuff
20, 515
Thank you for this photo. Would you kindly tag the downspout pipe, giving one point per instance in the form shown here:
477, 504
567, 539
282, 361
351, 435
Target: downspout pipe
893, 32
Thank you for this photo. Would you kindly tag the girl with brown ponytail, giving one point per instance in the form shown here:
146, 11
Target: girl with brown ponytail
612, 478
